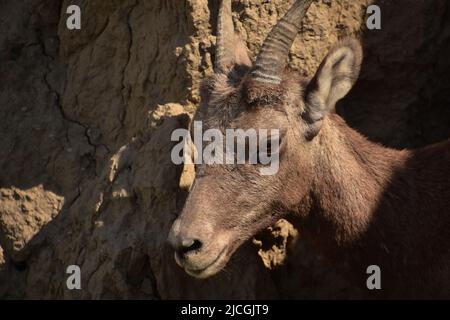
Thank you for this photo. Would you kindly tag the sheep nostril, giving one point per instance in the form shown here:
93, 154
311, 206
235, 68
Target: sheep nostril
188, 245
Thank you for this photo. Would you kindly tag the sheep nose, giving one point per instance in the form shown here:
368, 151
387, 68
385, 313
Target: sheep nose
188, 245
183, 244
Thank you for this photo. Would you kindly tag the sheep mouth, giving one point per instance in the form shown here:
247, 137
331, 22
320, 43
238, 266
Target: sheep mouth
216, 265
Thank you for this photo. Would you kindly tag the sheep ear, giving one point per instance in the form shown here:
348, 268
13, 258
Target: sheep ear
333, 80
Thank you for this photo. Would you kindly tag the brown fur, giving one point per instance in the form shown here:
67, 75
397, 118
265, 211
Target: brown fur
353, 199
374, 205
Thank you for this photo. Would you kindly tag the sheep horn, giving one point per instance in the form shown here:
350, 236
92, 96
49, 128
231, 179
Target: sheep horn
225, 34
271, 60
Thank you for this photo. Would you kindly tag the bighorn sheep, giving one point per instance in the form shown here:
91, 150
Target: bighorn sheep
352, 198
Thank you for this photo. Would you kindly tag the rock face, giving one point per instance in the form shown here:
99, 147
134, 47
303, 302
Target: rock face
86, 118
22, 214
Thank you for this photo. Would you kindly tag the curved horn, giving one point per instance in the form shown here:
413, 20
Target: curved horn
225, 34
271, 59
